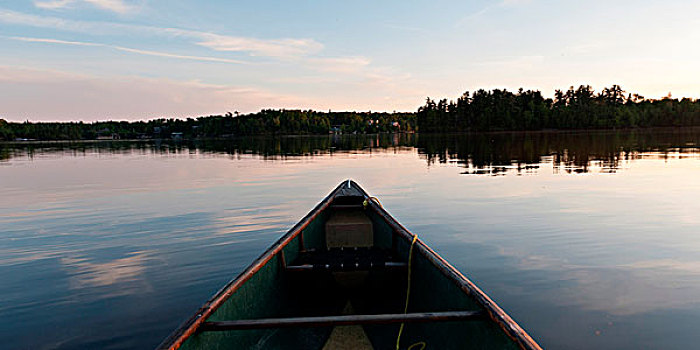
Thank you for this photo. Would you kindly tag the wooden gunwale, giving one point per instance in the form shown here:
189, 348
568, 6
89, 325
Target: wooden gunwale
505, 322
494, 312
342, 320
189, 327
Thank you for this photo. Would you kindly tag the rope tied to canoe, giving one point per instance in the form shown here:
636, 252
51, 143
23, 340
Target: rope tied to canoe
419, 345
373, 199
408, 294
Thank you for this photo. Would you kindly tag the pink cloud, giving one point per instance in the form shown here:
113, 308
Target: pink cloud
27, 93
118, 6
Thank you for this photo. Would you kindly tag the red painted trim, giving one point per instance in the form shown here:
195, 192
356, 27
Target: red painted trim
178, 337
509, 326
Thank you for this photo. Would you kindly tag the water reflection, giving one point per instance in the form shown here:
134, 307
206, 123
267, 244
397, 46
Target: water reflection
636, 288
267, 147
113, 244
480, 153
119, 276
575, 152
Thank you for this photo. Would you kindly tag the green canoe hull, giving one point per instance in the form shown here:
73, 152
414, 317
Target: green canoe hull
268, 290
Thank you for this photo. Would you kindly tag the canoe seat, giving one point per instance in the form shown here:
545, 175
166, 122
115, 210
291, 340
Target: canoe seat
349, 229
346, 259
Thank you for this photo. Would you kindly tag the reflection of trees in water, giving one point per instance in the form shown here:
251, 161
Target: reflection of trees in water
76, 148
294, 146
5, 154
265, 146
479, 153
498, 153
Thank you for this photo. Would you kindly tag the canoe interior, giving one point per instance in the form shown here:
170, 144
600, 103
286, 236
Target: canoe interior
274, 292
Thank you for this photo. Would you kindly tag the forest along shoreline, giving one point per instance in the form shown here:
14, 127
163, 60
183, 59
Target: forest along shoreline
497, 110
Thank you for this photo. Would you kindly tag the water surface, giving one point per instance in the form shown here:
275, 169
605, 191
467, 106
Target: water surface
589, 240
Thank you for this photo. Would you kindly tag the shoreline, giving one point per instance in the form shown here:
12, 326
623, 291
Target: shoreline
498, 132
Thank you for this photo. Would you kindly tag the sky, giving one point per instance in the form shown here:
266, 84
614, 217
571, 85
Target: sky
141, 59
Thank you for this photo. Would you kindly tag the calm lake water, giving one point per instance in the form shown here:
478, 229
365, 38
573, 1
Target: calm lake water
589, 240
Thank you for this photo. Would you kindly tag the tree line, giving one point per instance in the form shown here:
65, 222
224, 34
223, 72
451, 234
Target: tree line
580, 108
483, 110
265, 122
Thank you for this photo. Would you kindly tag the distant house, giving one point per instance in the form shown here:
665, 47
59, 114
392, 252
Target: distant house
176, 136
106, 134
335, 129
112, 136
161, 132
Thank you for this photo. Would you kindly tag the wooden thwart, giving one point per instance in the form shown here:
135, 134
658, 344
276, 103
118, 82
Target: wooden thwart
350, 267
348, 320
347, 206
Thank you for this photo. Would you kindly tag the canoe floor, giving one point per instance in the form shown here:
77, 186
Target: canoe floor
348, 337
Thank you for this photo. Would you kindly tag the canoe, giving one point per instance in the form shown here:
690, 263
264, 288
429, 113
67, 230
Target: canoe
349, 276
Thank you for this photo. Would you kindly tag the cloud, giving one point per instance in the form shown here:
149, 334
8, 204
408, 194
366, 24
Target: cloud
118, 6
54, 41
506, 3
487, 10
281, 48
51, 95
113, 5
131, 50
340, 64
185, 57
285, 48
341, 82
27, 93
353, 64
18, 18
514, 62
468, 19
52, 5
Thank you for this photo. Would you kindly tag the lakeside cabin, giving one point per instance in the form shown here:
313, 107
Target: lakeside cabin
106, 134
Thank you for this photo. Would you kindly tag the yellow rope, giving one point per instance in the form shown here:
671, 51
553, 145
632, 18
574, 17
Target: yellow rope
408, 293
366, 202
422, 345
419, 345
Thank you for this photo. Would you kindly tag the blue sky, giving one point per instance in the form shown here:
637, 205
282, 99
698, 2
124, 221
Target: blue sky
121, 59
